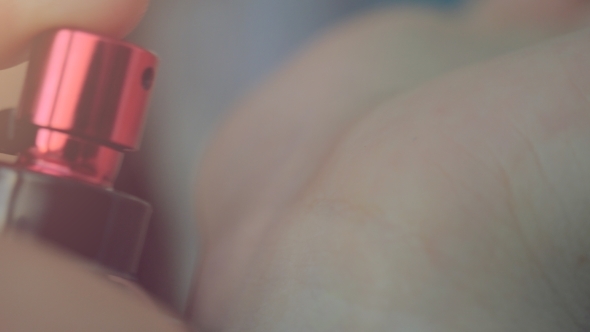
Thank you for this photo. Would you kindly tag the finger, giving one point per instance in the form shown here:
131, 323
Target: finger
21, 20
41, 290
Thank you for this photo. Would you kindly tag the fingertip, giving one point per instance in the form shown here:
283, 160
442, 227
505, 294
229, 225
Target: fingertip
23, 20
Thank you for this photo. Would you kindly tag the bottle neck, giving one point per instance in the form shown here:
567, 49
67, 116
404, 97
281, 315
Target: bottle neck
61, 154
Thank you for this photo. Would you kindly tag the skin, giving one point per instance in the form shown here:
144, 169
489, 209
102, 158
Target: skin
408, 171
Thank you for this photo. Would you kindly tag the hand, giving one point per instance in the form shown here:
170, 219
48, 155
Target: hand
354, 192
41, 290
349, 194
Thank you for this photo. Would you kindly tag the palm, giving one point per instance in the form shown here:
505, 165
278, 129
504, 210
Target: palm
337, 199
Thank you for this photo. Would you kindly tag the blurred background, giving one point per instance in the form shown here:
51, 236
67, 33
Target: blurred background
212, 51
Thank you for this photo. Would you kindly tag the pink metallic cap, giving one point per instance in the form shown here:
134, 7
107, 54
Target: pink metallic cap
89, 86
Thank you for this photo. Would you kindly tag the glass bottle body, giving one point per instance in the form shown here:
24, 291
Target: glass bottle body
101, 225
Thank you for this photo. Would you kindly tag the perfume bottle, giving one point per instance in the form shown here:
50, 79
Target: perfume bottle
82, 107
